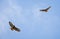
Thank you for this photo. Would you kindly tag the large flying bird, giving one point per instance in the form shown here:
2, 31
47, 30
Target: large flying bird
46, 10
13, 27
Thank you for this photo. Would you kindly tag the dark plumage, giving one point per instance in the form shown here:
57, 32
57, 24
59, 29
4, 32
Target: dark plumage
46, 10
13, 27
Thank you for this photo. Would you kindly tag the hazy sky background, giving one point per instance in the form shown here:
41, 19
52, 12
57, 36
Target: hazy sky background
25, 15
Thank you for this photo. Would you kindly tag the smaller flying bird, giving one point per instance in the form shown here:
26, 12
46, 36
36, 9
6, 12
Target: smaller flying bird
13, 27
46, 10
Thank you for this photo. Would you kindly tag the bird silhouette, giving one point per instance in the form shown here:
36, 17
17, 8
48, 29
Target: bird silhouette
13, 27
46, 10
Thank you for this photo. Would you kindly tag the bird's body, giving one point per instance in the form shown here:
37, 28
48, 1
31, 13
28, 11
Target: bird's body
13, 27
46, 10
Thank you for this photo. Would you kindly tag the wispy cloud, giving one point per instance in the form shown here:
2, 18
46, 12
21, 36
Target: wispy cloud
9, 13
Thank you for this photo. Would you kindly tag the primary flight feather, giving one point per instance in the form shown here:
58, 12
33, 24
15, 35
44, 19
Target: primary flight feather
13, 27
46, 10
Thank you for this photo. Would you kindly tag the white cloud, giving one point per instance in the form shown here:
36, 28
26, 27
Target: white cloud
9, 13
3, 24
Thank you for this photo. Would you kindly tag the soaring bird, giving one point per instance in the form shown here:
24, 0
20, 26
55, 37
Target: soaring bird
46, 10
13, 27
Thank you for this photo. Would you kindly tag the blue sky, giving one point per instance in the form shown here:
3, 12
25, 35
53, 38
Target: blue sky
25, 15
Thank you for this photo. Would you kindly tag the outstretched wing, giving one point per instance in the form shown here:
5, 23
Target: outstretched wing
10, 23
17, 29
13, 27
46, 9
43, 10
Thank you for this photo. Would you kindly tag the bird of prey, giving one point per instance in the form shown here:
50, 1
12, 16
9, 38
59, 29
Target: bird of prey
46, 10
13, 27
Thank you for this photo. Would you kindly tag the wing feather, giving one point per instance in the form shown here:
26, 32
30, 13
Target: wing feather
46, 9
13, 27
10, 23
16, 29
